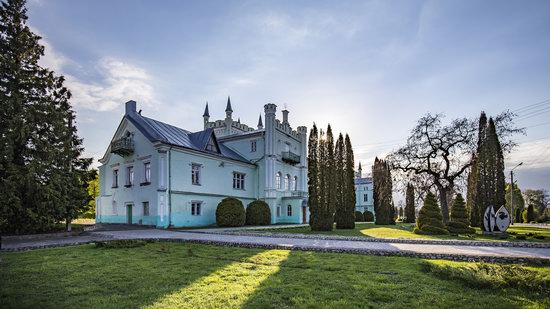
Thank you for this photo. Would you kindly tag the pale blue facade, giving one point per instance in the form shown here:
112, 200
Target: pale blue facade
363, 193
179, 177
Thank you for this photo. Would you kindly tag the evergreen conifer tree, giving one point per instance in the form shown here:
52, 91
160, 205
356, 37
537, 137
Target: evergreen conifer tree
42, 176
410, 215
430, 220
348, 187
313, 178
339, 216
382, 193
529, 214
471, 201
459, 221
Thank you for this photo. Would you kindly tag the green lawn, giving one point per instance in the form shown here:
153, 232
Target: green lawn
161, 275
404, 230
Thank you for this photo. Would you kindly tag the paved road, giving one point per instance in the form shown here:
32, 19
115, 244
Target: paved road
314, 244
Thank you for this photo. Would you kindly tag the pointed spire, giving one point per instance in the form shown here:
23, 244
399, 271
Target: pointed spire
228, 108
260, 123
206, 113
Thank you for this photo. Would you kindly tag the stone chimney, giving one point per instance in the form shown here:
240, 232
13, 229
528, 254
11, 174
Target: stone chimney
130, 107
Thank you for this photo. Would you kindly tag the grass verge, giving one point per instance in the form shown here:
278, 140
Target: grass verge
405, 230
160, 275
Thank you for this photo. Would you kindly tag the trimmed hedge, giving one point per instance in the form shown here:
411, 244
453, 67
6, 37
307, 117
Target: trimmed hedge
368, 216
258, 213
230, 212
359, 216
459, 222
430, 220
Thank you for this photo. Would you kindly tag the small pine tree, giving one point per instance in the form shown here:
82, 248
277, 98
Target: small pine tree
459, 222
430, 220
410, 215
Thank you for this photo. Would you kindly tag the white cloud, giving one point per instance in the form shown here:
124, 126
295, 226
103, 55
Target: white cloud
119, 83
534, 154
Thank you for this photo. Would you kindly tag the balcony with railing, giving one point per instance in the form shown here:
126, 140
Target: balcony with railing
123, 146
290, 157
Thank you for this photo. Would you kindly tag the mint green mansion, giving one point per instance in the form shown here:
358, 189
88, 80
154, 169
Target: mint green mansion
157, 174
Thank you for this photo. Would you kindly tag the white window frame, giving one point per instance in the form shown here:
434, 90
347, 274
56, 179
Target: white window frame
365, 197
287, 182
253, 146
115, 178
295, 184
238, 180
195, 174
147, 172
289, 211
196, 208
279, 181
129, 175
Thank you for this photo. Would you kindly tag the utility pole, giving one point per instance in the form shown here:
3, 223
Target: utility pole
513, 214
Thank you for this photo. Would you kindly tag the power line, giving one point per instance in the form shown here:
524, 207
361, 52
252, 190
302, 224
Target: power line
531, 106
534, 113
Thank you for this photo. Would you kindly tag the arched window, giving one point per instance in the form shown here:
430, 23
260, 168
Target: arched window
295, 184
278, 181
287, 182
289, 211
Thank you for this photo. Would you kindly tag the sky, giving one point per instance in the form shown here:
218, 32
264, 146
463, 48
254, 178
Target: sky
369, 68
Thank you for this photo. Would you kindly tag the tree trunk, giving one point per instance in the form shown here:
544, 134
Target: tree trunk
443, 203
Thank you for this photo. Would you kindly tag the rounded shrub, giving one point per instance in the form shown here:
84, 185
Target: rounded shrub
230, 212
430, 220
368, 216
258, 213
359, 216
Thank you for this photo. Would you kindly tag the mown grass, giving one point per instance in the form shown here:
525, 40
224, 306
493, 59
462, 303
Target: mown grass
405, 230
170, 275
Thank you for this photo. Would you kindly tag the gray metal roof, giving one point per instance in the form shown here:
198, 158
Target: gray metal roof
157, 131
363, 181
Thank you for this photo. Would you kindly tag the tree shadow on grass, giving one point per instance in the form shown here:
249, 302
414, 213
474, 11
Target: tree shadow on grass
86, 276
332, 280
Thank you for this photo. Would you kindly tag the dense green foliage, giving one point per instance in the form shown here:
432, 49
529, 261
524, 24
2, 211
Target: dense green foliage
430, 220
368, 216
519, 203
410, 214
538, 198
459, 222
230, 212
43, 178
489, 172
258, 213
359, 216
471, 197
93, 192
494, 276
331, 181
529, 214
313, 177
382, 192
201, 276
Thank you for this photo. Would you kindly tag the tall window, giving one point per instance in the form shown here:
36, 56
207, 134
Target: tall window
278, 211
147, 172
278, 180
195, 174
365, 197
115, 178
253, 146
145, 208
295, 184
238, 180
287, 182
129, 176
289, 211
196, 208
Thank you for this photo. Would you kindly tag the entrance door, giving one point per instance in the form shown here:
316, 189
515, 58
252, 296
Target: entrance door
304, 214
129, 213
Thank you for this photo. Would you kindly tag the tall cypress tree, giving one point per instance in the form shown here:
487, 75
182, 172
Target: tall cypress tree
330, 180
471, 198
382, 193
340, 186
313, 177
42, 177
349, 186
410, 215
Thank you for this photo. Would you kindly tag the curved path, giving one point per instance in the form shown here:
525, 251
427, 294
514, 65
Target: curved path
378, 248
